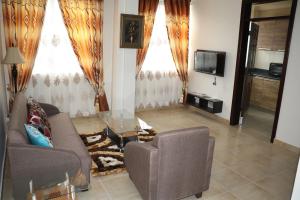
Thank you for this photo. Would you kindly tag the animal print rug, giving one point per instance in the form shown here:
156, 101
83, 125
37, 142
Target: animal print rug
107, 157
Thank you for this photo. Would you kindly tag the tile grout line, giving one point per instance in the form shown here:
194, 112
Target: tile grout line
250, 181
105, 189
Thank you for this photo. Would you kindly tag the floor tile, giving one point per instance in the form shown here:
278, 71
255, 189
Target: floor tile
229, 179
223, 196
250, 192
120, 187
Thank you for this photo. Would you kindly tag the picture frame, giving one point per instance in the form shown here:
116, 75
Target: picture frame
132, 31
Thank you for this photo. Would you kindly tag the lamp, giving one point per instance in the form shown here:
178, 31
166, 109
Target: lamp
13, 56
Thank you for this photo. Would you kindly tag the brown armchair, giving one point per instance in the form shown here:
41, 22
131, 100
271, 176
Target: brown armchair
177, 164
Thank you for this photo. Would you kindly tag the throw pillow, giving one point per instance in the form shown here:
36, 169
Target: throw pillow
36, 138
34, 108
38, 123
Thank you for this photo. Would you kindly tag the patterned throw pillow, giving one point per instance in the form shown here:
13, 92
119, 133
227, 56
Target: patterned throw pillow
37, 138
35, 109
38, 123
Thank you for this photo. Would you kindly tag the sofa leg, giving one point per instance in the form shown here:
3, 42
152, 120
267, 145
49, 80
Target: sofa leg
83, 188
198, 195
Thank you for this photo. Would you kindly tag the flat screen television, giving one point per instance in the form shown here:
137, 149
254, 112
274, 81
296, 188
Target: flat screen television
210, 62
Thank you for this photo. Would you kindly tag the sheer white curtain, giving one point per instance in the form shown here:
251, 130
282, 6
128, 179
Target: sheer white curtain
57, 77
158, 83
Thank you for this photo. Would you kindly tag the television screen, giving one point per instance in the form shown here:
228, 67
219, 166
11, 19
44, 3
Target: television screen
210, 62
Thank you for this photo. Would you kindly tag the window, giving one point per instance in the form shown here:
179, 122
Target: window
159, 57
158, 84
57, 77
55, 54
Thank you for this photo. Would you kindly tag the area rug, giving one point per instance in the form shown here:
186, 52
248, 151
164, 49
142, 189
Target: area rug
106, 155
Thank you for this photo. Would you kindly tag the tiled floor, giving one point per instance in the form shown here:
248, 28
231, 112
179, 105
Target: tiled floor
245, 166
260, 121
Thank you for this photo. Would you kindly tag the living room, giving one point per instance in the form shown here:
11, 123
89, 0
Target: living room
244, 166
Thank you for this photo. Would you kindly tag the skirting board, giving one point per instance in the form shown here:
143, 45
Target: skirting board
209, 115
287, 146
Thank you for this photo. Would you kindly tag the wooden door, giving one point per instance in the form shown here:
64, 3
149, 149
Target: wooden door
250, 62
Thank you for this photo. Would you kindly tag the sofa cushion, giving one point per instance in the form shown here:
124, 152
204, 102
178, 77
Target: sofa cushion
38, 123
35, 109
36, 137
65, 136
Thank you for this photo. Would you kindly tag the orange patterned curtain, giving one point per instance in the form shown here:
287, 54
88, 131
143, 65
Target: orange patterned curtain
177, 20
23, 21
84, 22
147, 8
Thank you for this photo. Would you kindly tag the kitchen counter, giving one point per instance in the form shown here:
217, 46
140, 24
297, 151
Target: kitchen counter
262, 73
264, 92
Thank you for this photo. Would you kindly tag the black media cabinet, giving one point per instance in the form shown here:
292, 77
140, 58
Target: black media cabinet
205, 102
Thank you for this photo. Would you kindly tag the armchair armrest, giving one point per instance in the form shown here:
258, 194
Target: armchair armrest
141, 160
209, 160
43, 166
49, 109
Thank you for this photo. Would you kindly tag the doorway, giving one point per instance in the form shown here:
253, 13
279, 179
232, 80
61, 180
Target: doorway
264, 40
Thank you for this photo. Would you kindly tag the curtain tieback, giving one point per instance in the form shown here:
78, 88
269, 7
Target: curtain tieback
99, 92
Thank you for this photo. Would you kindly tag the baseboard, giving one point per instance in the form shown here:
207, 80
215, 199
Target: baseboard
202, 112
159, 108
209, 115
287, 146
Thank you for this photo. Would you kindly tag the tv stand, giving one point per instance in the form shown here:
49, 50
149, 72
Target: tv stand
205, 102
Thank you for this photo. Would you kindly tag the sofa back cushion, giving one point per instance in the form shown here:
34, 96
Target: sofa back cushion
182, 161
18, 117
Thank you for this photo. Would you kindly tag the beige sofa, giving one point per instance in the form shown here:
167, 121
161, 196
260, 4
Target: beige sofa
175, 165
44, 165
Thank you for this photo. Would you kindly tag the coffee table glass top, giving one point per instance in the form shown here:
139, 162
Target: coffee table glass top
121, 122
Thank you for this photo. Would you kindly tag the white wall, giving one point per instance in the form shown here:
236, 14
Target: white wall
288, 129
296, 190
119, 64
108, 32
215, 26
124, 62
263, 58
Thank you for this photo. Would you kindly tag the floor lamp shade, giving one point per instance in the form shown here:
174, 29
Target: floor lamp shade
13, 56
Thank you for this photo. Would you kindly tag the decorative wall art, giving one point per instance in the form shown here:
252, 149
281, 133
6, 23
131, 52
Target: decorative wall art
132, 31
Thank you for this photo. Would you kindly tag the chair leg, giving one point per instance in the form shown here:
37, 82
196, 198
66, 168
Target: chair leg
198, 195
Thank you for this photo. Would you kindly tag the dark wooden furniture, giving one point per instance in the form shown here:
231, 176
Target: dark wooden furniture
272, 34
264, 93
122, 139
205, 102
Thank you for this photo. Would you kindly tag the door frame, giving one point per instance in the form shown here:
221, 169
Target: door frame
241, 59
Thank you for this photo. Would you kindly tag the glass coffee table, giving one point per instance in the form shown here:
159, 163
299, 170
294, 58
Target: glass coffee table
122, 127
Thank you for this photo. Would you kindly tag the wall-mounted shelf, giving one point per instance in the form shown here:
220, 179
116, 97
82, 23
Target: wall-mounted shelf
205, 102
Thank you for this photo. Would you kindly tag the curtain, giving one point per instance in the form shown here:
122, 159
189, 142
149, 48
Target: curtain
84, 22
23, 21
57, 77
177, 14
147, 8
156, 89
158, 84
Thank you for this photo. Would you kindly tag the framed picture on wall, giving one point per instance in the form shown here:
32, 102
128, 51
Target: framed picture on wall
132, 31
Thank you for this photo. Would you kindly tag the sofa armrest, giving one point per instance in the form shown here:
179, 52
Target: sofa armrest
43, 166
49, 109
209, 160
141, 160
